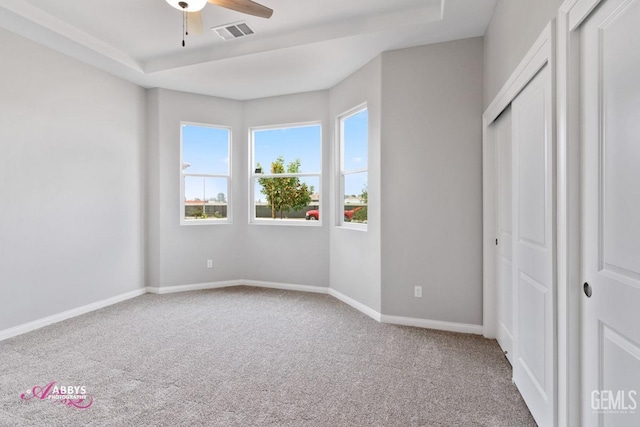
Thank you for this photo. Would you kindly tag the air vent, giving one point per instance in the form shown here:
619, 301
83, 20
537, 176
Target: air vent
233, 31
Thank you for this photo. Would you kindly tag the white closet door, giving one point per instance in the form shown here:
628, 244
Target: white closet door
534, 349
610, 86
504, 256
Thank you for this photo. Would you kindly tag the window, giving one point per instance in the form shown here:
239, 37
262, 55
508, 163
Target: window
354, 150
286, 174
205, 174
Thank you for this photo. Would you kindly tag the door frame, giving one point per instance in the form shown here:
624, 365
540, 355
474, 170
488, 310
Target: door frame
566, 67
541, 53
570, 15
495, 136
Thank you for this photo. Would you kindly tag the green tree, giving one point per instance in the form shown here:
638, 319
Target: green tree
284, 194
362, 214
365, 194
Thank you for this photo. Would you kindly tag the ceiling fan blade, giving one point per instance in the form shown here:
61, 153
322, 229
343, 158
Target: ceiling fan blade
194, 22
245, 6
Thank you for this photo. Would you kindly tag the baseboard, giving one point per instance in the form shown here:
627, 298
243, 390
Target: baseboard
355, 304
285, 286
228, 283
194, 287
383, 318
433, 324
37, 324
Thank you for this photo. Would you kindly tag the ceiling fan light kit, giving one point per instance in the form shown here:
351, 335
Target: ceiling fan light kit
192, 17
188, 6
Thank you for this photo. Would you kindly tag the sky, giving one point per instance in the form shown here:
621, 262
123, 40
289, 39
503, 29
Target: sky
291, 143
206, 150
356, 138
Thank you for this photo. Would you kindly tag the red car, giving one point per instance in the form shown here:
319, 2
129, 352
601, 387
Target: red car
314, 214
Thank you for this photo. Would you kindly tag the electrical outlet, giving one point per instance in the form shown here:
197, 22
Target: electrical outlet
209, 263
417, 291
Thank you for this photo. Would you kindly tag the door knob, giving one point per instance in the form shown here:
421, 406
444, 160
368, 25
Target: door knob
587, 290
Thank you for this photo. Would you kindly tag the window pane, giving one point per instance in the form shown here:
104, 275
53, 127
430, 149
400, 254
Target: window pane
356, 197
287, 198
290, 145
205, 198
355, 130
205, 150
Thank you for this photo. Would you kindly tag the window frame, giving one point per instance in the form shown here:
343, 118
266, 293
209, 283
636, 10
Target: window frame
229, 218
253, 220
341, 173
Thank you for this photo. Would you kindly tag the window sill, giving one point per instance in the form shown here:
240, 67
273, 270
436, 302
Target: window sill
350, 226
284, 222
206, 222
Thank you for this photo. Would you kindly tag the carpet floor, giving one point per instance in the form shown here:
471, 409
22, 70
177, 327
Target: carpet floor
245, 356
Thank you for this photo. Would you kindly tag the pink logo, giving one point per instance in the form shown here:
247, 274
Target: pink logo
71, 396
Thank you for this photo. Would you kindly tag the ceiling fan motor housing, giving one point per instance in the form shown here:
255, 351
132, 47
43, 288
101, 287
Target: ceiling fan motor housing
188, 6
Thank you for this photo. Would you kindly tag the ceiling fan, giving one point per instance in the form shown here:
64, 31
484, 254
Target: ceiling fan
193, 18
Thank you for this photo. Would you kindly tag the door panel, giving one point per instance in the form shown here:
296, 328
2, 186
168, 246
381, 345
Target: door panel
534, 369
610, 93
621, 233
532, 179
502, 129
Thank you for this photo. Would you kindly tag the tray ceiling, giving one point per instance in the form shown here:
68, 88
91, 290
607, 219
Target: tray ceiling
307, 44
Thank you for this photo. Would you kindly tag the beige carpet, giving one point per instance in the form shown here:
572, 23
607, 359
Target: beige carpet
255, 357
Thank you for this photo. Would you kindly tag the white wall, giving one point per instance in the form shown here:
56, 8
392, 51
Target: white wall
431, 181
286, 254
79, 146
177, 255
355, 255
513, 28
71, 183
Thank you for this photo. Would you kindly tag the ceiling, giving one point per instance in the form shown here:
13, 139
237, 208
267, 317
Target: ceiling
307, 44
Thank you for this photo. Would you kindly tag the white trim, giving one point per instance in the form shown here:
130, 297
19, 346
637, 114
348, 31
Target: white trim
40, 323
340, 172
489, 234
285, 175
39, 20
571, 14
253, 177
282, 222
229, 218
540, 54
578, 10
293, 125
285, 286
358, 226
433, 324
161, 290
355, 304
407, 321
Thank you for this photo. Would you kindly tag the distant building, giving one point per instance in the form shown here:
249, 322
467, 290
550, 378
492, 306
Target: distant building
353, 200
200, 202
